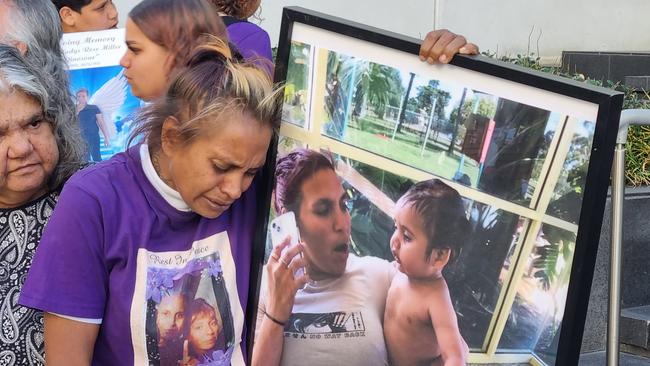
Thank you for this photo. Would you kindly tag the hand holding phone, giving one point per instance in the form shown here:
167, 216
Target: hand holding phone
282, 227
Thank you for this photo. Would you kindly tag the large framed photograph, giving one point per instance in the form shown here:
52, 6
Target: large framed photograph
441, 208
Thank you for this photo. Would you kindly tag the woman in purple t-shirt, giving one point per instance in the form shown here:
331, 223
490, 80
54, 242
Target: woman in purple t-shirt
136, 240
252, 41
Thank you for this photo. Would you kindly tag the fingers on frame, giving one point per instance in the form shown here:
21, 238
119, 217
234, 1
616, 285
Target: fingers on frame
453, 48
439, 48
430, 39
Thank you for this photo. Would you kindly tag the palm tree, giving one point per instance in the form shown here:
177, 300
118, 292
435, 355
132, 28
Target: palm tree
377, 84
370, 82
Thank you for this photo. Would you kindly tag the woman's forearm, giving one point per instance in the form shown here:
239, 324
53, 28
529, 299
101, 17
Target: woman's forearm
68, 342
267, 349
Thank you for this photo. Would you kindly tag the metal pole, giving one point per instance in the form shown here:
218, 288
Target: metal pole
618, 192
426, 135
628, 117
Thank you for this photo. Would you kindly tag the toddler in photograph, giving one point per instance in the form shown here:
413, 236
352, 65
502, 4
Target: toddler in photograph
420, 325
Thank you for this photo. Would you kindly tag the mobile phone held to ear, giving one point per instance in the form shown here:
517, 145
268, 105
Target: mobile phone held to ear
282, 227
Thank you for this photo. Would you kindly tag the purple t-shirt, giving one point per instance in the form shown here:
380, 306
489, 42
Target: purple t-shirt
252, 41
116, 250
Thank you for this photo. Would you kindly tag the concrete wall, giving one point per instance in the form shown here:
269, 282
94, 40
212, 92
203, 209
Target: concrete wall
577, 25
553, 25
413, 17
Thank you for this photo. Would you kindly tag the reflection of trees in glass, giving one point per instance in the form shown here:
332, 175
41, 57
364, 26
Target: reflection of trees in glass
298, 68
336, 93
478, 105
428, 94
536, 315
379, 85
402, 114
352, 80
519, 137
486, 107
372, 228
295, 91
567, 195
474, 280
287, 144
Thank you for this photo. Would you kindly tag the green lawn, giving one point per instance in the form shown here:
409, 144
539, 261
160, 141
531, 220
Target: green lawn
374, 135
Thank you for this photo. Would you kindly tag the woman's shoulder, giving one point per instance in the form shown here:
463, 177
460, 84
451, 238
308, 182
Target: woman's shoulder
246, 32
100, 176
245, 27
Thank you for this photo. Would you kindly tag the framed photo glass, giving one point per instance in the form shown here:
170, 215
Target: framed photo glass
442, 208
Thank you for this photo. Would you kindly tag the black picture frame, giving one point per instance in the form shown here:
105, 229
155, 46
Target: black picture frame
608, 102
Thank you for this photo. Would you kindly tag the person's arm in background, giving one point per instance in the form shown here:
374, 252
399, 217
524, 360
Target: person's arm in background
278, 303
68, 342
101, 123
440, 46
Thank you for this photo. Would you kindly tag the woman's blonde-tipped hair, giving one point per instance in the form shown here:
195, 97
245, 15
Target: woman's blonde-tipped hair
215, 82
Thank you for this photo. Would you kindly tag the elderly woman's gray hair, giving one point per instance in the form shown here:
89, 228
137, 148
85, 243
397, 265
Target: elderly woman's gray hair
18, 74
36, 25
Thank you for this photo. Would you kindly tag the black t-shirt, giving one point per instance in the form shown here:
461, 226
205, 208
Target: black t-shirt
88, 119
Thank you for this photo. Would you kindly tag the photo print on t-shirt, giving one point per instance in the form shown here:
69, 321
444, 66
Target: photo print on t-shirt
339, 324
190, 314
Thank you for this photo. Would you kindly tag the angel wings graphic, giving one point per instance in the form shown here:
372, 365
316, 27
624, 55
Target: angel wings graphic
109, 99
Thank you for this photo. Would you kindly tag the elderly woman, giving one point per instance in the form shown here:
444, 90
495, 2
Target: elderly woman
35, 160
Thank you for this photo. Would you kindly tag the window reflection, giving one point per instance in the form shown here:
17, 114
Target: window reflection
567, 195
296, 90
536, 316
477, 139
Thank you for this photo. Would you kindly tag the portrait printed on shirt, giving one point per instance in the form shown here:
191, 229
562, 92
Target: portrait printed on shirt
191, 314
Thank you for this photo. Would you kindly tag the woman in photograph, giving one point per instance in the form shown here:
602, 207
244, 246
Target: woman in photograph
346, 291
41, 148
343, 303
204, 334
179, 202
160, 36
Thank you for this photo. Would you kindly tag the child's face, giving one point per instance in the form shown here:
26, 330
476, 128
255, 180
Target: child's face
409, 243
203, 332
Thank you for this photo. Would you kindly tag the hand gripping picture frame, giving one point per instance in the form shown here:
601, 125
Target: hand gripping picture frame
445, 211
